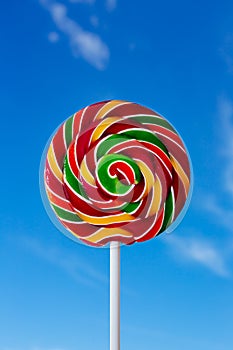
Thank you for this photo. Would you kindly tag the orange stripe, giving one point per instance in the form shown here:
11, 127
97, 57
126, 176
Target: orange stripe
181, 173
103, 126
107, 220
149, 178
53, 162
157, 195
86, 173
106, 233
107, 107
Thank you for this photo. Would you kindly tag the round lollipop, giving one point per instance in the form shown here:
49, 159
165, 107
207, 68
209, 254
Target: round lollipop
116, 172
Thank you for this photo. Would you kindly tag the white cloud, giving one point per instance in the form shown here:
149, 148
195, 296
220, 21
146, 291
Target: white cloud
39, 348
80, 270
111, 4
214, 206
226, 52
226, 122
94, 21
199, 251
220, 203
226, 119
34, 348
86, 44
89, 2
53, 37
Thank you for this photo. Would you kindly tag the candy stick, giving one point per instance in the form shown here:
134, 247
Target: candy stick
116, 172
114, 296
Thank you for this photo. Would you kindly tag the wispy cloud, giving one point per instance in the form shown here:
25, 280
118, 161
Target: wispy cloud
79, 269
90, 2
34, 348
94, 21
199, 251
220, 203
53, 37
226, 122
226, 52
111, 4
217, 209
85, 44
42, 348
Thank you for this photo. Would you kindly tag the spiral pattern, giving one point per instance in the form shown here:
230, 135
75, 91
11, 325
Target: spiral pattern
116, 171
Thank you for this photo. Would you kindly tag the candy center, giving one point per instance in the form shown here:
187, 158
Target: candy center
117, 174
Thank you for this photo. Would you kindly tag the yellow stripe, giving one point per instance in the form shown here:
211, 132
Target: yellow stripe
181, 173
151, 183
149, 178
102, 127
156, 198
108, 107
86, 173
105, 220
106, 233
53, 163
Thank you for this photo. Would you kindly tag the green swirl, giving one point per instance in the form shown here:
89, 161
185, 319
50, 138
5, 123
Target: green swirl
113, 184
135, 134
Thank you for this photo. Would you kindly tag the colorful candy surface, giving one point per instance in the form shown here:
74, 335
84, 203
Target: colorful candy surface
116, 171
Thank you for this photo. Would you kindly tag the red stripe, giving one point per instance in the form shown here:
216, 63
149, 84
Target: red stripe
71, 160
120, 167
76, 123
180, 197
116, 128
87, 209
129, 109
178, 153
94, 194
154, 230
90, 114
60, 202
51, 180
162, 130
82, 145
59, 146
124, 240
138, 152
80, 229
158, 153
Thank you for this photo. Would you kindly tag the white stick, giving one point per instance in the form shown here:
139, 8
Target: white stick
114, 296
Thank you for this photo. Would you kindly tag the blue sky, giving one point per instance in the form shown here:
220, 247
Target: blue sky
174, 57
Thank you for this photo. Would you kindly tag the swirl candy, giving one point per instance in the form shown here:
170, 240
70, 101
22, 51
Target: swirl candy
116, 171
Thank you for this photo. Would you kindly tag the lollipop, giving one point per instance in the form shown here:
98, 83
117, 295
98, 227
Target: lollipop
116, 171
